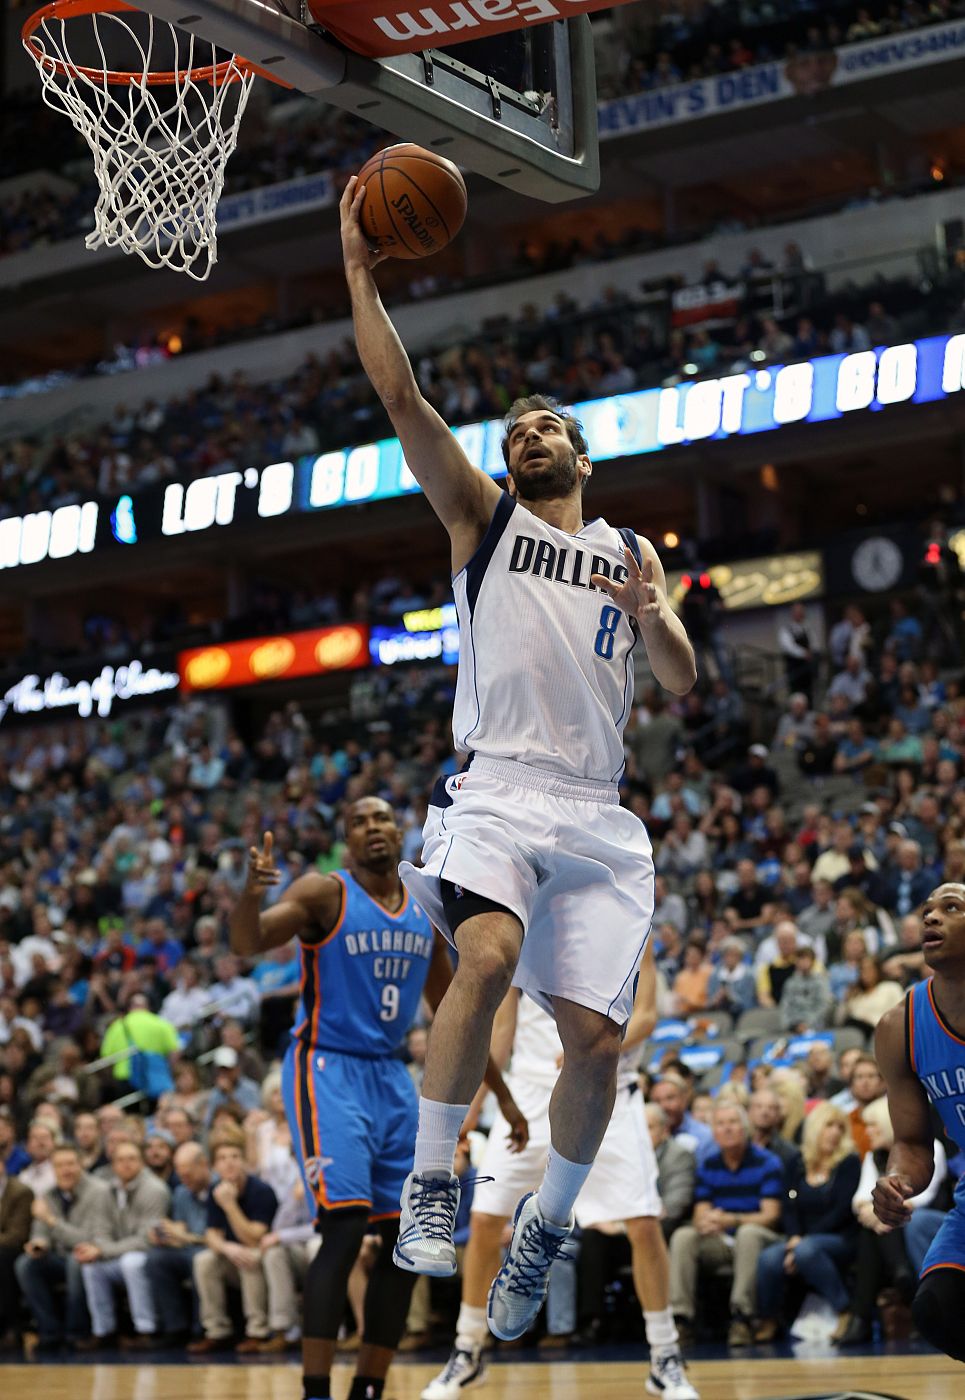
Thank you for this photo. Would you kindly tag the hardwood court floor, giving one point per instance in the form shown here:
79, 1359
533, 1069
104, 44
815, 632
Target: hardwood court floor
910, 1377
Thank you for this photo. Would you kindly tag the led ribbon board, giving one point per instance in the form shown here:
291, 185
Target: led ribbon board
762, 400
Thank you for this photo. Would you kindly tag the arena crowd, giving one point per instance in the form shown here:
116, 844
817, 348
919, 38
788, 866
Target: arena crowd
146, 1162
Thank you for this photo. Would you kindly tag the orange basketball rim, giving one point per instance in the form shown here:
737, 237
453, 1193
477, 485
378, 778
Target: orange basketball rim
230, 70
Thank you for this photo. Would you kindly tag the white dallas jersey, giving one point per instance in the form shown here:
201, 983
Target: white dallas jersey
545, 666
537, 1049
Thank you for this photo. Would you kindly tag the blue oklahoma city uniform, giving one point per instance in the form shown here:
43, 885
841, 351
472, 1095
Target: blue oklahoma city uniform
350, 1101
937, 1056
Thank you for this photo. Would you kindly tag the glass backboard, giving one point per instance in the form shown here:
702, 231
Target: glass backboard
518, 108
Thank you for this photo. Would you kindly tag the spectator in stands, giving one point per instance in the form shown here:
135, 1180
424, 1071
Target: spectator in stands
118, 1257
821, 1235
737, 1212
160, 947
186, 1003
865, 1085
731, 986
844, 973
287, 1250
230, 1087
904, 640
848, 336
15, 1203
797, 648
772, 976
856, 751
745, 912
668, 907
176, 1240
882, 329
683, 851
234, 1037
676, 1169
882, 1260
796, 724
268, 1139
818, 750
816, 919
13, 1157
156, 1039
670, 1093
159, 1155
851, 683
822, 1083
776, 345
690, 984
236, 995
241, 1209
765, 1113
805, 1001
41, 1141
73, 1211
869, 997
905, 963
835, 861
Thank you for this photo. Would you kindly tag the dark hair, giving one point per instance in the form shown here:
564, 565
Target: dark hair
537, 403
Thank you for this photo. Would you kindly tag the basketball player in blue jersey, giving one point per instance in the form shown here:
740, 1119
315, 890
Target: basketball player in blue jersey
530, 866
367, 953
920, 1047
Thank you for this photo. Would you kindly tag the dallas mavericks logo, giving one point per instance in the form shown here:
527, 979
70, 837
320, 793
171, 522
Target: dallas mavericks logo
314, 1166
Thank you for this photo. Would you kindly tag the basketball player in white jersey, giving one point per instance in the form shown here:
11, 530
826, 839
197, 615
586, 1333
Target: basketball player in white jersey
531, 867
621, 1187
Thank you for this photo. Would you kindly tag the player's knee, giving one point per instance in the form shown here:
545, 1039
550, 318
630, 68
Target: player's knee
594, 1043
490, 967
644, 1232
937, 1310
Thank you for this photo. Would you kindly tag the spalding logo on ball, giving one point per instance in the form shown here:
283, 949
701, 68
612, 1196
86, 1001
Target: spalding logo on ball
415, 201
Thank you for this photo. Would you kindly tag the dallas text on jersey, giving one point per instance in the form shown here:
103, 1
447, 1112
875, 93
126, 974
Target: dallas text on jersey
544, 560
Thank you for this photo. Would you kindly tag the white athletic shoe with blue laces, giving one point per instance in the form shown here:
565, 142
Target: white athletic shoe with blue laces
462, 1371
668, 1378
426, 1225
519, 1288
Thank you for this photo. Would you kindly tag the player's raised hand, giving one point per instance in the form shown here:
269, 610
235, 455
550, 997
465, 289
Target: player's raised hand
262, 870
638, 596
890, 1200
356, 250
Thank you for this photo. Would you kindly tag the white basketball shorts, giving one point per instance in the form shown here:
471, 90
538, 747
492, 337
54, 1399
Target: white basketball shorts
621, 1186
574, 866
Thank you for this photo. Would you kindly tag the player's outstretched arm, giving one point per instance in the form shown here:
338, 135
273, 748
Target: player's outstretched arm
643, 1017
462, 496
307, 910
911, 1161
644, 597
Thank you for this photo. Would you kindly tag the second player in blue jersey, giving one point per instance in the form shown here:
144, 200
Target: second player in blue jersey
368, 952
920, 1047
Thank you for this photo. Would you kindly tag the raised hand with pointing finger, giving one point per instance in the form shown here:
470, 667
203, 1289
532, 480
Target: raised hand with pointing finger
262, 870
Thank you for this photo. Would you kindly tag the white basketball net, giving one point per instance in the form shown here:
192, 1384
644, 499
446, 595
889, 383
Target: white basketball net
160, 149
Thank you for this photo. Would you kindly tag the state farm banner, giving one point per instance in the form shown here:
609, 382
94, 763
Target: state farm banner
380, 28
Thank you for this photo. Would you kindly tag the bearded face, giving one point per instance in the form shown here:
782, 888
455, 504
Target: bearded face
543, 464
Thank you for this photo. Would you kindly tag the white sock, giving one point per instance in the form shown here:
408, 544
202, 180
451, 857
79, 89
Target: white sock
471, 1328
560, 1187
661, 1330
435, 1145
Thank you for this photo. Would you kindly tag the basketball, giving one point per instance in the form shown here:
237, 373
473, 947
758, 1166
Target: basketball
415, 201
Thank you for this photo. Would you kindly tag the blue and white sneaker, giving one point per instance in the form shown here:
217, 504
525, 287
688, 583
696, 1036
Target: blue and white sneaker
463, 1370
519, 1288
426, 1225
668, 1377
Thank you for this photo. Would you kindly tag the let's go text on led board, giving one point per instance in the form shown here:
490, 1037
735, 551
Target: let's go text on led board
626, 425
